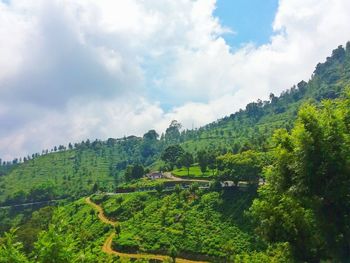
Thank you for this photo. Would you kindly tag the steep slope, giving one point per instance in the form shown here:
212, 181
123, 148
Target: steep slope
202, 226
249, 128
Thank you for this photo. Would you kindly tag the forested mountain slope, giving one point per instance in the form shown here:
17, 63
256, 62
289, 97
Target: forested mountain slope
249, 128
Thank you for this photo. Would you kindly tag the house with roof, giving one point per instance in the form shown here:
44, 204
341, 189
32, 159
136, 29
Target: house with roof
154, 175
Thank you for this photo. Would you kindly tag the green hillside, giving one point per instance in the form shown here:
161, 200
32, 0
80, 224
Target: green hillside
251, 127
194, 223
69, 233
73, 172
200, 225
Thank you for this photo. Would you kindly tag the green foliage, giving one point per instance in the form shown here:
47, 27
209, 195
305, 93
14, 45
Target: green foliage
203, 160
134, 172
53, 247
127, 243
151, 135
173, 253
149, 146
172, 154
73, 236
279, 253
123, 207
11, 250
186, 160
142, 183
117, 230
306, 201
75, 224
28, 231
245, 166
172, 133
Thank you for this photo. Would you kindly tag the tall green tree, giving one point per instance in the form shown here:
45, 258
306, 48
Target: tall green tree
172, 133
245, 166
212, 161
202, 157
172, 154
173, 253
306, 200
186, 160
149, 146
151, 135
134, 172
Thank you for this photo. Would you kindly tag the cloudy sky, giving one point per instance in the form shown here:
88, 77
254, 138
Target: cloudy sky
77, 69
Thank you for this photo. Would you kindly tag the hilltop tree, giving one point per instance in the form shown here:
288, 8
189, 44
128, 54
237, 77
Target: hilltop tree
273, 98
151, 135
149, 144
172, 133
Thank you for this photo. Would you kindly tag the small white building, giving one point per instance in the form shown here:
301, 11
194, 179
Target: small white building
154, 175
227, 184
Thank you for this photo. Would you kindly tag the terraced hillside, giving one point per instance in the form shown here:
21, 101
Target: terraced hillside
70, 173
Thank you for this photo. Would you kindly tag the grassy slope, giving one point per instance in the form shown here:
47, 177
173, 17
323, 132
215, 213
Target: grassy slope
194, 171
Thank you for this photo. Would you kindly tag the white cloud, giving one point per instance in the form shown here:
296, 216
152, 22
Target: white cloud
305, 33
72, 70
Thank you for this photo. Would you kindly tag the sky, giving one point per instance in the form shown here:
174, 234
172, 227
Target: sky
77, 69
250, 21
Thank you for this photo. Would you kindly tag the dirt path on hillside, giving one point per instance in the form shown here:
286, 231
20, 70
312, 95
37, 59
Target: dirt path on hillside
101, 214
107, 246
170, 176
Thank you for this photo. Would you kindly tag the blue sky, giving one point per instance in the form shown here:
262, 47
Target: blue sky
250, 19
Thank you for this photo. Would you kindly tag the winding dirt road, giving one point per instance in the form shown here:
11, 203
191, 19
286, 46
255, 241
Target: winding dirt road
107, 246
